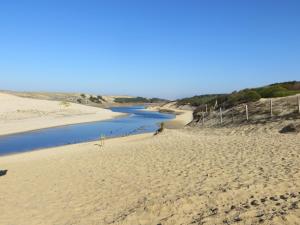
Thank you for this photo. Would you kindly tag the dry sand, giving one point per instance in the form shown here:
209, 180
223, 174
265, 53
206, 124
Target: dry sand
186, 176
19, 114
183, 117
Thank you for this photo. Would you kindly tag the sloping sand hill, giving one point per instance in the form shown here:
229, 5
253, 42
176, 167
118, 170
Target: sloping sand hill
19, 114
187, 176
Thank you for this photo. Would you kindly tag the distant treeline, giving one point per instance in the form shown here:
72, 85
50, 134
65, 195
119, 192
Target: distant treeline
139, 100
243, 96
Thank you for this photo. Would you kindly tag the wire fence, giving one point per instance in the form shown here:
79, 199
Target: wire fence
254, 112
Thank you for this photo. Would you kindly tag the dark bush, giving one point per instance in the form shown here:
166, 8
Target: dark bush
242, 97
94, 99
270, 92
100, 98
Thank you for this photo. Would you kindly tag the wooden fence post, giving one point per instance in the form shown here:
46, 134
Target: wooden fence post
216, 104
221, 116
247, 115
298, 104
271, 107
202, 118
206, 108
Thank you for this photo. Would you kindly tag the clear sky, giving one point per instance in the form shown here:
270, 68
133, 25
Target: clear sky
153, 48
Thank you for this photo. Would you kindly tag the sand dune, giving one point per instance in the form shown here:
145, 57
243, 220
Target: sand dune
19, 114
187, 176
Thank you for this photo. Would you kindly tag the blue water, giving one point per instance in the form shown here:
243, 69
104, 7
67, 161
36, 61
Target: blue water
138, 121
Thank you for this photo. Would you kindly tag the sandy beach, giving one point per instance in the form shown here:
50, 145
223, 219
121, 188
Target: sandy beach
150, 113
182, 117
18, 114
249, 175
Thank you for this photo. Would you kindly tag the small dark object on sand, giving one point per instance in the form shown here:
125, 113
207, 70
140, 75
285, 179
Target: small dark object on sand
160, 129
291, 128
254, 203
3, 172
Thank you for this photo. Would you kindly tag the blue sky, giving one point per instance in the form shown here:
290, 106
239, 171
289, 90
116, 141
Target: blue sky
148, 48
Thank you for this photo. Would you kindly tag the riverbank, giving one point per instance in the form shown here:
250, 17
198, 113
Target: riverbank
182, 117
136, 121
182, 176
18, 114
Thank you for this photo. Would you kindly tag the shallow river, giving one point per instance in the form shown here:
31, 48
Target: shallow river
137, 121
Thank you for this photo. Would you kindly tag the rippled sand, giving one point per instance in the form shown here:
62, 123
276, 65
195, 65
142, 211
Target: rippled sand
186, 176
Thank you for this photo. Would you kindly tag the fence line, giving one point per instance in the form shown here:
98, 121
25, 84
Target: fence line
254, 111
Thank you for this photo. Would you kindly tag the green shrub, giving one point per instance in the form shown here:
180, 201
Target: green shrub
100, 98
251, 96
244, 96
270, 92
65, 104
274, 91
94, 99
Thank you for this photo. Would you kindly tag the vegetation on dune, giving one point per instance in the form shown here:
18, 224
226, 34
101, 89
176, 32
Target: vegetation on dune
279, 90
198, 100
290, 85
101, 98
131, 100
97, 99
139, 100
157, 100
244, 96
65, 104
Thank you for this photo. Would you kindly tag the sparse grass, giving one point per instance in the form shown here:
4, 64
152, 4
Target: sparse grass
160, 129
65, 104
